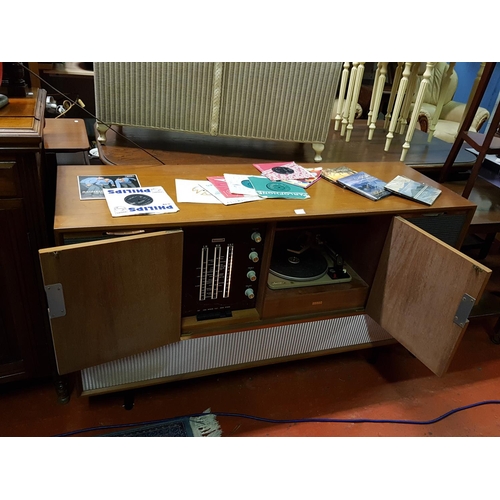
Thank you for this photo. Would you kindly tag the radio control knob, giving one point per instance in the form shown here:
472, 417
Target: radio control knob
256, 237
254, 256
251, 275
249, 293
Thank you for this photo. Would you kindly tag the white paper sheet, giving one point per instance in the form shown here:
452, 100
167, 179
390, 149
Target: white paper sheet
189, 191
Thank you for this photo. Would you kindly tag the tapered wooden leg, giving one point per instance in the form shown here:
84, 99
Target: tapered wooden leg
354, 100
392, 97
397, 107
407, 101
429, 69
340, 102
378, 99
374, 94
347, 102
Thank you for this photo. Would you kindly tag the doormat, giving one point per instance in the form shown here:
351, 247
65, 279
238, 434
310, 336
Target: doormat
200, 426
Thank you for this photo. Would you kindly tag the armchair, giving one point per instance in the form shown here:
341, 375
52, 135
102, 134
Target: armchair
452, 112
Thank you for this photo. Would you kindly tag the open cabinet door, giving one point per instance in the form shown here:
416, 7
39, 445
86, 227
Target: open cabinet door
423, 292
114, 298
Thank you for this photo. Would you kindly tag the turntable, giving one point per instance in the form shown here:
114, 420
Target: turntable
295, 264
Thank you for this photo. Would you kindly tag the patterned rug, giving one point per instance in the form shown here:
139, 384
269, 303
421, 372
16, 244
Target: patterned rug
200, 426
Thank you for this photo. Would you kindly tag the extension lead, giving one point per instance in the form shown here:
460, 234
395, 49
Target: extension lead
292, 421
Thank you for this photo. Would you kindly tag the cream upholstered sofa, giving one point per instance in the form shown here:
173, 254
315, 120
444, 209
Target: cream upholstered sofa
290, 101
452, 112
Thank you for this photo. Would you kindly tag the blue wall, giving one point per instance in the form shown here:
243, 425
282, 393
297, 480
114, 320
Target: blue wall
467, 72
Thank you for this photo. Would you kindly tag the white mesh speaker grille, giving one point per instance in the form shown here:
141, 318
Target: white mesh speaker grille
207, 353
171, 96
285, 101
279, 101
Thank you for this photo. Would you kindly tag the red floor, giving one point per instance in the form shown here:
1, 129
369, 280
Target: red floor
386, 383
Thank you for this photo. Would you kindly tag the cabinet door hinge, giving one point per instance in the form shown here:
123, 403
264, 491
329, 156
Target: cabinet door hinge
55, 300
464, 309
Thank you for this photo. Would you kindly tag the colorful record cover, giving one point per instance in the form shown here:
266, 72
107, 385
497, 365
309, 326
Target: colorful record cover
223, 194
334, 174
413, 190
277, 189
305, 183
239, 184
261, 167
287, 172
91, 187
366, 185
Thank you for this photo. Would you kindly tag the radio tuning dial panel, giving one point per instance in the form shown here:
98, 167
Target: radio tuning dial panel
218, 263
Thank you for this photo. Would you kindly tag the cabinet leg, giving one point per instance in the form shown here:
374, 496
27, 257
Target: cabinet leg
101, 132
318, 149
62, 390
128, 400
495, 334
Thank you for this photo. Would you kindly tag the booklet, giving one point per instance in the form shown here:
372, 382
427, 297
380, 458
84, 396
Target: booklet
277, 189
366, 185
91, 187
413, 190
139, 201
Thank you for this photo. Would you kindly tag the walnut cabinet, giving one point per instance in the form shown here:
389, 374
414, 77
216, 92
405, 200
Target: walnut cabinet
119, 288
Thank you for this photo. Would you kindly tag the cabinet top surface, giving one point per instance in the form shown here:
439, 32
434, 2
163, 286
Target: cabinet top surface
23, 117
326, 199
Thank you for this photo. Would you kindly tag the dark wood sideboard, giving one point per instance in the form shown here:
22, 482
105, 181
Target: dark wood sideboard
25, 344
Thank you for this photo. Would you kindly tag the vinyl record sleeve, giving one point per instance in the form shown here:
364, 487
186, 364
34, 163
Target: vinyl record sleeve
413, 190
277, 189
139, 201
366, 185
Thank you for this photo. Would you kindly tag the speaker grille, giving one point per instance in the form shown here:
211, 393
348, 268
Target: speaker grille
279, 101
446, 227
207, 353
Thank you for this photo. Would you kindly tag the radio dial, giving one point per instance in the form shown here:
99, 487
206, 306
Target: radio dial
249, 293
251, 275
254, 256
256, 237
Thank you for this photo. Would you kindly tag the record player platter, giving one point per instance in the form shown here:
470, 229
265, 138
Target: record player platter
306, 266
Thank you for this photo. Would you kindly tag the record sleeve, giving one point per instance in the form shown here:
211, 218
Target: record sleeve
277, 189
287, 172
366, 185
334, 174
217, 187
239, 184
139, 201
91, 187
413, 190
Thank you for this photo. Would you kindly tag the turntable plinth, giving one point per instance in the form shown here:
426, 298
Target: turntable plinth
408, 279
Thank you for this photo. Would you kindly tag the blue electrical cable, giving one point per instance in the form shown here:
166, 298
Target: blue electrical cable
291, 421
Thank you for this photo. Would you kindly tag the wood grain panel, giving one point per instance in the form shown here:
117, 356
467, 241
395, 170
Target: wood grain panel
417, 289
327, 200
122, 297
9, 183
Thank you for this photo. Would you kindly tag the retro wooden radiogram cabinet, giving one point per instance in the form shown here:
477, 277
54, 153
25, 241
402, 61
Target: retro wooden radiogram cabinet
141, 300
